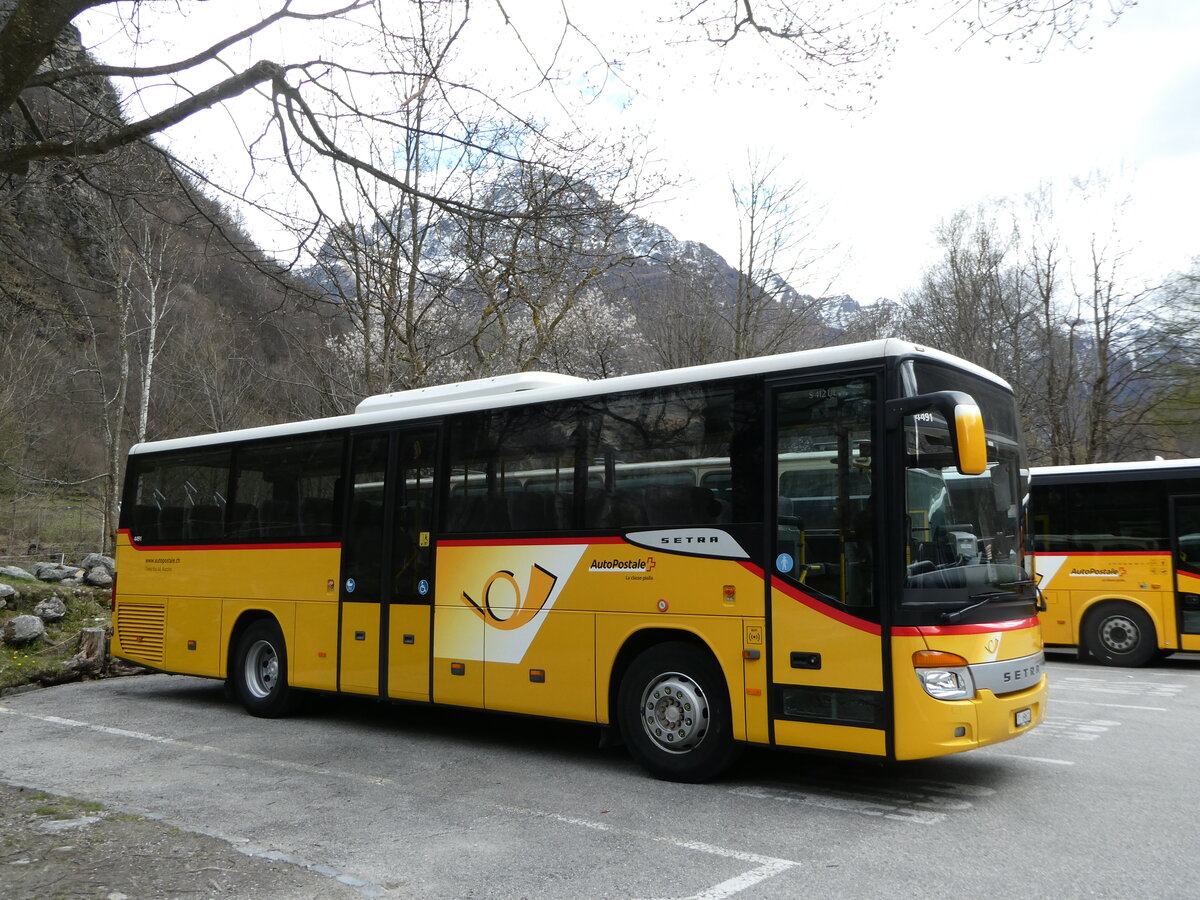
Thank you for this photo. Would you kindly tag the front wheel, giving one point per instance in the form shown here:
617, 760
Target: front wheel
673, 708
260, 671
1120, 634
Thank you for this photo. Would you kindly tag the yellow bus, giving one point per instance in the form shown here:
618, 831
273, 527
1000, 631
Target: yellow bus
763, 551
1117, 552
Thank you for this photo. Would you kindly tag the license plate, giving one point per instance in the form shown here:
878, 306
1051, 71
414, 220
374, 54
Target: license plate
1024, 717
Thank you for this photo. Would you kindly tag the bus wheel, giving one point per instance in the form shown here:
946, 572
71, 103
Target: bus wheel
260, 671
674, 713
1120, 634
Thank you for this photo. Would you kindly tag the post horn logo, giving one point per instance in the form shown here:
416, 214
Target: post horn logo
496, 612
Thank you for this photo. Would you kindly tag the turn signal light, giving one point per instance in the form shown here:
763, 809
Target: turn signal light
937, 659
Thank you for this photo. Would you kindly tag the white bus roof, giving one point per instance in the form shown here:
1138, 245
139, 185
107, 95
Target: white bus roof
1148, 465
518, 390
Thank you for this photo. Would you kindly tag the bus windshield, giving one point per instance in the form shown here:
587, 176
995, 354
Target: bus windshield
964, 533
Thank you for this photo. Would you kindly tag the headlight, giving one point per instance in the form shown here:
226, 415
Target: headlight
947, 684
944, 676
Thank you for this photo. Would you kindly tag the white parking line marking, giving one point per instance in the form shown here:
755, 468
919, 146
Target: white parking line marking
1057, 700
1074, 729
918, 804
1039, 759
1129, 687
765, 866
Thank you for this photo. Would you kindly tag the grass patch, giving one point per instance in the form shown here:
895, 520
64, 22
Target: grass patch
54, 520
42, 662
65, 807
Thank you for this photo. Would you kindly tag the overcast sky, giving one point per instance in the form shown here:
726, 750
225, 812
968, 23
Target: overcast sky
951, 129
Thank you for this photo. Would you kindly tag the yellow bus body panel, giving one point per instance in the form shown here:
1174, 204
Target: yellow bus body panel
544, 622
192, 642
211, 587
851, 655
1074, 583
838, 738
312, 650
457, 656
926, 726
360, 648
409, 651
557, 675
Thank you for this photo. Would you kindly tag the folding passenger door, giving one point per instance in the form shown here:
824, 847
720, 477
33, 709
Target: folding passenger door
1185, 546
408, 612
826, 636
388, 564
364, 589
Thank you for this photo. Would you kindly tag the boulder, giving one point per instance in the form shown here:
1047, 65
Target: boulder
17, 572
98, 576
99, 561
22, 630
6, 591
51, 609
53, 572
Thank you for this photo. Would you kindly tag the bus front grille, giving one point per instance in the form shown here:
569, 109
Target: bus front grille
142, 628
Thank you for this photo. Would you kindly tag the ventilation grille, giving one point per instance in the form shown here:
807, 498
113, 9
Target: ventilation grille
142, 629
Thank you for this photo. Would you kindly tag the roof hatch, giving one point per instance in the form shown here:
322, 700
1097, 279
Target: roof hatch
463, 390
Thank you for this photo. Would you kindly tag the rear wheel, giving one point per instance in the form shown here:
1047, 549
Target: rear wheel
260, 671
1120, 634
673, 708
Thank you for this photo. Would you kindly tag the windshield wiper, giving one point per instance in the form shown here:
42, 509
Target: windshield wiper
986, 597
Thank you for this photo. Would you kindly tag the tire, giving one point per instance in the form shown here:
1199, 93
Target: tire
1120, 634
674, 713
260, 671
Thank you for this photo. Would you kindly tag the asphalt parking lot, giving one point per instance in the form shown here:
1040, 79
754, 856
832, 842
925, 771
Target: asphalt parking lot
394, 801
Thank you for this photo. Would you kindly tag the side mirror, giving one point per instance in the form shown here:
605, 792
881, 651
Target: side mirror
967, 435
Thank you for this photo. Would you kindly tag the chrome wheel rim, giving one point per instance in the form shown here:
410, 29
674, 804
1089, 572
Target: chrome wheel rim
1119, 634
674, 712
262, 669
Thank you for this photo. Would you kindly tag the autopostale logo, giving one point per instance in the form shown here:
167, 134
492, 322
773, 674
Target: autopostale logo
504, 605
642, 565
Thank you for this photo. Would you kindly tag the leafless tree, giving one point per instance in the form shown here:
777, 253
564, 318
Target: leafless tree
826, 33
312, 106
527, 275
1123, 358
679, 315
975, 301
596, 339
778, 252
1179, 414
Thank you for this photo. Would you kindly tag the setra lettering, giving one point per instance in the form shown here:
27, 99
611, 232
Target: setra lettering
1022, 674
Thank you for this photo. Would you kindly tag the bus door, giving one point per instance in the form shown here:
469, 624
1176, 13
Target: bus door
408, 614
387, 565
827, 658
1185, 545
362, 588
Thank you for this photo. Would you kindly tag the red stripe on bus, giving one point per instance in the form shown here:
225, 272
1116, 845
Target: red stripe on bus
817, 606
529, 542
159, 548
1101, 553
753, 568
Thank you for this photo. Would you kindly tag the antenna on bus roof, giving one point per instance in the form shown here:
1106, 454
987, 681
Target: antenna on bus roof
462, 390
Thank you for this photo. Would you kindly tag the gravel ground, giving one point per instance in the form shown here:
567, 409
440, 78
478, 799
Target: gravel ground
59, 847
